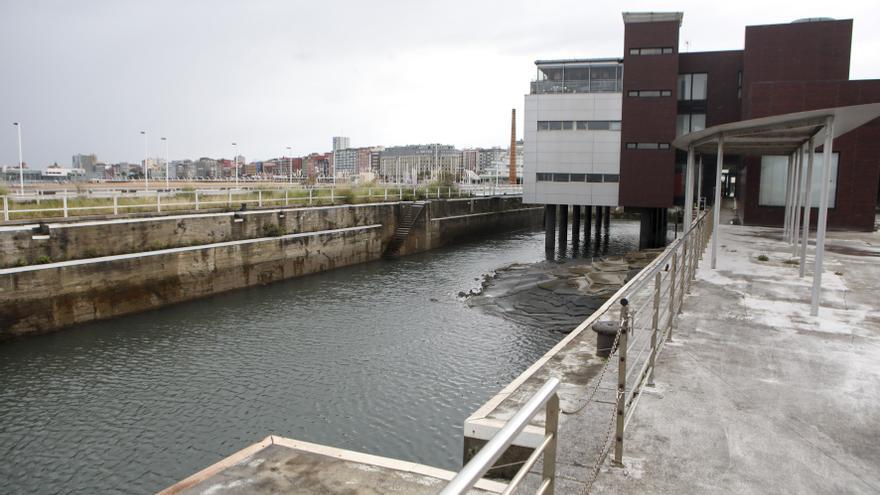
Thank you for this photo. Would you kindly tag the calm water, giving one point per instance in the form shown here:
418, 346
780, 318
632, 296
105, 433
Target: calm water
381, 358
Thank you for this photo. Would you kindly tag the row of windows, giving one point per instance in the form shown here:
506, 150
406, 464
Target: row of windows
580, 125
592, 178
689, 122
650, 93
647, 146
651, 51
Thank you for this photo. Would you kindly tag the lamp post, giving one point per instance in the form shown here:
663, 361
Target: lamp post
20, 162
167, 186
146, 170
235, 162
290, 170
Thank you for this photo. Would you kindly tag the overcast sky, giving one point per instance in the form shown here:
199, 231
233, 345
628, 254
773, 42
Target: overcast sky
87, 76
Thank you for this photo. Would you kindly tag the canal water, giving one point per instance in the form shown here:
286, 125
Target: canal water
383, 358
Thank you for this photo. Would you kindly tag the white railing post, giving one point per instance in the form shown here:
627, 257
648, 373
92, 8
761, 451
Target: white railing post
287, 197
386, 193
5, 208
197, 201
655, 325
64, 204
260, 198
310, 196
332, 195
158, 202
115, 204
681, 286
622, 344
230, 199
369, 194
672, 271
551, 428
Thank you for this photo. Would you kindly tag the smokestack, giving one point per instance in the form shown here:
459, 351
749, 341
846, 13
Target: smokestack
512, 172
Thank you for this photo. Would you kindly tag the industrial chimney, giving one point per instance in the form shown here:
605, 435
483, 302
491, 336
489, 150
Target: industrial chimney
512, 172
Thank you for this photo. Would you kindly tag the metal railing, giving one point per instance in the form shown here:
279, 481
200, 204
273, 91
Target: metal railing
474, 470
117, 203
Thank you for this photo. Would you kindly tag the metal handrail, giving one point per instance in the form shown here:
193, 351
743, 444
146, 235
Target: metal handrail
474, 470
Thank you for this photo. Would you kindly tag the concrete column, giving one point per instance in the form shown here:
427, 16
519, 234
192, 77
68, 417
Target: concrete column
788, 182
549, 226
823, 214
808, 208
598, 220
798, 200
588, 222
689, 190
575, 224
717, 205
607, 218
563, 226
700, 182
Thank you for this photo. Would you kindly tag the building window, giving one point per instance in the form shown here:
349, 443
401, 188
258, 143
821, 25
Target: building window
578, 177
687, 123
611, 178
650, 93
594, 177
560, 177
647, 146
651, 51
774, 172
692, 86
581, 125
589, 178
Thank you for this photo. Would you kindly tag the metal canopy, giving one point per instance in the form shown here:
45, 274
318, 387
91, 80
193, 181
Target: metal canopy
778, 134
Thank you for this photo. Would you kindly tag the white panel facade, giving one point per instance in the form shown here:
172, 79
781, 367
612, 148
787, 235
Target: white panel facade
571, 151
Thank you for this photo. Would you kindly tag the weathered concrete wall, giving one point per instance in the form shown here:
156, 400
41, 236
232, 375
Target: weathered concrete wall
445, 222
91, 239
42, 298
231, 252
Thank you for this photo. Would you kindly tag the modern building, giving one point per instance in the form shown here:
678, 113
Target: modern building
421, 162
599, 132
341, 143
89, 164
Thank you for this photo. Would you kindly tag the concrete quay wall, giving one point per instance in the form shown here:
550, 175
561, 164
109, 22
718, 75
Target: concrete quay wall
21, 245
46, 297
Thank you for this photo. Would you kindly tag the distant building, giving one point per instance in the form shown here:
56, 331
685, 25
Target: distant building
89, 164
344, 161
341, 143
419, 162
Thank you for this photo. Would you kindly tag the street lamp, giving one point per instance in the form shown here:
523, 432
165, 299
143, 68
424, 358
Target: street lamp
235, 162
20, 162
167, 186
146, 170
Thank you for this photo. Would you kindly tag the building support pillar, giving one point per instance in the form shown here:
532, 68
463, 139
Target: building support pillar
827, 152
549, 226
700, 183
717, 206
607, 218
808, 208
689, 191
653, 225
563, 226
575, 224
588, 223
598, 220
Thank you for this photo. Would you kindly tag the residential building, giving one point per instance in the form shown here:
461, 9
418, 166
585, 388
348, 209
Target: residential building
341, 143
415, 163
599, 135
88, 163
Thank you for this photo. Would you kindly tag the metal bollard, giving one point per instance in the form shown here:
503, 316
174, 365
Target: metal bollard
621, 381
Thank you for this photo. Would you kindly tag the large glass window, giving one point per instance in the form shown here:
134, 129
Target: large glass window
693, 86
687, 123
774, 173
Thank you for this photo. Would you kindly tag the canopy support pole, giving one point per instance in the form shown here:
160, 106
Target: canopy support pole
689, 191
808, 208
717, 205
823, 214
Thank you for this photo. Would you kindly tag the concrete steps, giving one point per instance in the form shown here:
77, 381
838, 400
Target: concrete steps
409, 214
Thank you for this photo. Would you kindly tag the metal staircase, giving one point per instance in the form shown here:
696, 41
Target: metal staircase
409, 214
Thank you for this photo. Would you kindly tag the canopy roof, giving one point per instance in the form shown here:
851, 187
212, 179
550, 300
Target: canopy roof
778, 134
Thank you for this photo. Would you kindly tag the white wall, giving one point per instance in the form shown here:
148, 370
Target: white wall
571, 151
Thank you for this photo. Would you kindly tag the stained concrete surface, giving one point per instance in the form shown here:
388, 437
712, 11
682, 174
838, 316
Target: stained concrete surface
287, 466
756, 396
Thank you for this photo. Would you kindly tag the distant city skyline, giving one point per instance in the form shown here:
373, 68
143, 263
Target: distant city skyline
273, 74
